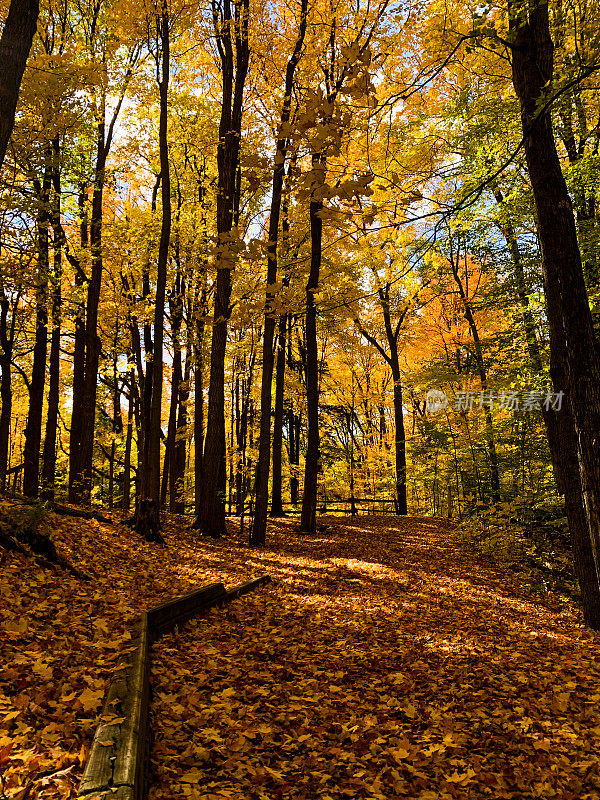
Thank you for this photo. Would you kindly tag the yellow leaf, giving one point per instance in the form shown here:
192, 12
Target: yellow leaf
191, 776
90, 700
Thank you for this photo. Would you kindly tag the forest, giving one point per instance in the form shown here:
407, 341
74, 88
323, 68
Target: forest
269, 272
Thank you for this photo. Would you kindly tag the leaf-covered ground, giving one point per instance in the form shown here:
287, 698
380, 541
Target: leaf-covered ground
384, 661
60, 638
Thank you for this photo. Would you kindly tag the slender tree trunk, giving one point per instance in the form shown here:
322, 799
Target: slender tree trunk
147, 522
393, 360
49, 457
198, 412
277, 493
259, 525
489, 429
7, 338
117, 426
308, 519
126, 504
294, 425
84, 401
177, 467
15, 44
84, 405
399, 438
284, 322
211, 519
171, 429
144, 377
5, 417
577, 373
177, 499
33, 428
78, 354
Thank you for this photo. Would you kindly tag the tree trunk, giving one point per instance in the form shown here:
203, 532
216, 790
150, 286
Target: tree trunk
147, 520
294, 423
177, 484
198, 412
569, 316
49, 457
126, 503
393, 360
259, 525
7, 338
277, 495
171, 429
33, 428
84, 402
15, 44
211, 519
454, 259
78, 356
399, 439
308, 519
84, 405
562, 441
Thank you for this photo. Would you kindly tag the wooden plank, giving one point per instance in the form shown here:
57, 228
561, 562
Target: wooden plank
117, 758
165, 616
122, 793
247, 586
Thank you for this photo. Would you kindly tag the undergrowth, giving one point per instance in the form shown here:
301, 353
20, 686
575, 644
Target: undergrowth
531, 539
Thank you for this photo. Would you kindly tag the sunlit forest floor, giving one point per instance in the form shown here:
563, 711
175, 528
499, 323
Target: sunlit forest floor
385, 660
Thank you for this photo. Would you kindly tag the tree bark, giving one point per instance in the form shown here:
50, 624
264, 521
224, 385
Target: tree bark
211, 519
15, 44
33, 428
277, 494
577, 372
84, 405
49, 456
308, 518
177, 479
78, 353
147, 518
401, 504
199, 406
84, 402
562, 441
176, 306
7, 341
259, 524
126, 502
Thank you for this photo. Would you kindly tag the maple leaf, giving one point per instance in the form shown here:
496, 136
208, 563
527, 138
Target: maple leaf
90, 699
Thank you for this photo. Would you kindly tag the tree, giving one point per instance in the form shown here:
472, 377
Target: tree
575, 366
391, 356
15, 44
234, 53
147, 515
259, 524
87, 343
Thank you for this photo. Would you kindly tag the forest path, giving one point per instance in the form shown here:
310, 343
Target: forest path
385, 661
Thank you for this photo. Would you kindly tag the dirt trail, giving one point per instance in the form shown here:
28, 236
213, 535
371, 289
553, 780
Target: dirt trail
385, 661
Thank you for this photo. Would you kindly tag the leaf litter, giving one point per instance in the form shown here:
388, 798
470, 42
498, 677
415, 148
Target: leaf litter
384, 661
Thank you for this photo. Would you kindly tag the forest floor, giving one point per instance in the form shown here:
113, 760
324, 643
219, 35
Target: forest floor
385, 660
